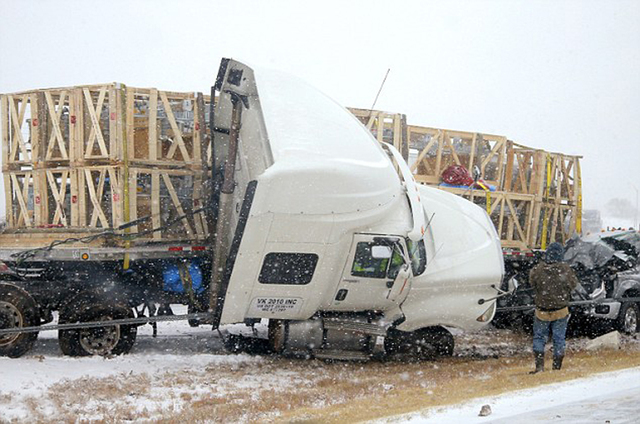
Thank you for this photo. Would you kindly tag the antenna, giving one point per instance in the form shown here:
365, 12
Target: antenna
379, 91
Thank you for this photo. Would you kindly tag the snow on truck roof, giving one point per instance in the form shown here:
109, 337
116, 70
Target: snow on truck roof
318, 142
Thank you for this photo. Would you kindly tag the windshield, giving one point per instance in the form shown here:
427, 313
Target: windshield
418, 256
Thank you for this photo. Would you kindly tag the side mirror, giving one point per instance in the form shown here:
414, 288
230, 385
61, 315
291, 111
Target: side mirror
381, 252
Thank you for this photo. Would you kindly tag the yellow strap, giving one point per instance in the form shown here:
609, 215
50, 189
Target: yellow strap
487, 193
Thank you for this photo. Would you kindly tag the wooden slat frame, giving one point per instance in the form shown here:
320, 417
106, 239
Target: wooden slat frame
176, 202
423, 153
58, 192
95, 133
21, 193
95, 195
4, 127
16, 120
161, 181
56, 138
178, 142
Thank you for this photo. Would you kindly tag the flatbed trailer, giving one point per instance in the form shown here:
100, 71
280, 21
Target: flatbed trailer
91, 284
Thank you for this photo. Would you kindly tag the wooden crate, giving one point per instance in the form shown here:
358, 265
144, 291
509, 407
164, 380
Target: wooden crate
166, 128
19, 189
103, 124
93, 199
439, 149
164, 195
71, 155
511, 214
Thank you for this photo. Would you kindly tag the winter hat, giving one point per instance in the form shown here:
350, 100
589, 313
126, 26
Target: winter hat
554, 253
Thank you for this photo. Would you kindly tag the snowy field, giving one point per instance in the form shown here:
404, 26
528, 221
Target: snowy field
177, 347
185, 374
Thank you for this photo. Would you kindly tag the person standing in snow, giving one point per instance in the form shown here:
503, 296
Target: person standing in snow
552, 281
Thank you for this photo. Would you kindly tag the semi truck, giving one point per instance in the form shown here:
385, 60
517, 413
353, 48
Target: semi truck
304, 220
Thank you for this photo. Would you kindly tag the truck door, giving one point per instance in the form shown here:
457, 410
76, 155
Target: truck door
377, 274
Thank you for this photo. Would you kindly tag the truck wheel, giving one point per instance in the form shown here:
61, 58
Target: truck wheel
423, 344
627, 321
442, 339
108, 340
17, 309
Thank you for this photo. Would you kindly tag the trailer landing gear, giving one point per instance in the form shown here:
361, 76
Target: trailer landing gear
108, 340
17, 309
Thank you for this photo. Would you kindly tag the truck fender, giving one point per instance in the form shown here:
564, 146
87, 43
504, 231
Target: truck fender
627, 288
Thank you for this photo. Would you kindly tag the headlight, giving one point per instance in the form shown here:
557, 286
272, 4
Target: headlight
488, 314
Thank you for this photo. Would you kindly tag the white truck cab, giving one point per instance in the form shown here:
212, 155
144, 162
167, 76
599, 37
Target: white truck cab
323, 230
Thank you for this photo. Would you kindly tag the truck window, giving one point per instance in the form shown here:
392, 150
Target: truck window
396, 262
365, 265
418, 255
288, 268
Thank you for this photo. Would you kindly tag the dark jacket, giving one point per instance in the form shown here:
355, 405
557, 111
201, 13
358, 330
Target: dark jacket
552, 285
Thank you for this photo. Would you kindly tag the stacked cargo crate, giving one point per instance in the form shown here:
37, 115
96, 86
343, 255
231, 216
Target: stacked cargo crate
538, 197
81, 160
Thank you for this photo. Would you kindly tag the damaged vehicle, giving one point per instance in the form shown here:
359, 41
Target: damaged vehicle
608, 267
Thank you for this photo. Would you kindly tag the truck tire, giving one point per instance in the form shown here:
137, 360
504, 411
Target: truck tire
423, 344
443, 339
108, 340
627, 321
17, 309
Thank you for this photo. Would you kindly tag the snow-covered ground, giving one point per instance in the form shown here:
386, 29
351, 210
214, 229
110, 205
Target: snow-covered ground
177, 347
612, 397
183, 366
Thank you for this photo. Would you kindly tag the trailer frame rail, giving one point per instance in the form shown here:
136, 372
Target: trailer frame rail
95, 324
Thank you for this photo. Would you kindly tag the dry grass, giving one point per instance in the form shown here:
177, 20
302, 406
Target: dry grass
281, 390
6, 397
456, 381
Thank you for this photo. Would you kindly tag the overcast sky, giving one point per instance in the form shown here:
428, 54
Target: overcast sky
557, 75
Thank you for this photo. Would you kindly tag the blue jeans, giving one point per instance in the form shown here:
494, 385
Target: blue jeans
541, 335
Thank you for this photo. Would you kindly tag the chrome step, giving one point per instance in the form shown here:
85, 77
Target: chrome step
354, 326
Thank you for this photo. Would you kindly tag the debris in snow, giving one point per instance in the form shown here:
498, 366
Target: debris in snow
608, 341
484, 411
